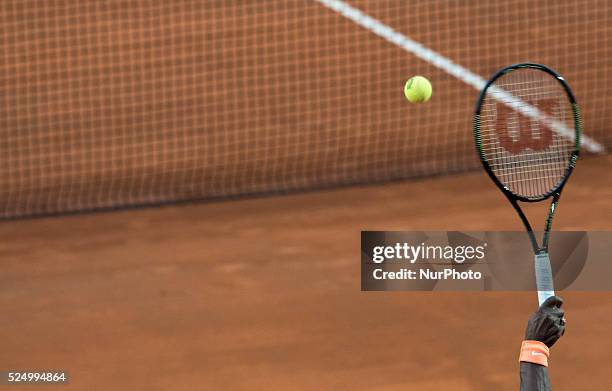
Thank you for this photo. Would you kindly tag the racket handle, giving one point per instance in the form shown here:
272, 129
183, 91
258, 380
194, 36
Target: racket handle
544, 278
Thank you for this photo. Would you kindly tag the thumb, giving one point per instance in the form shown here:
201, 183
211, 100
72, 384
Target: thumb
552, 302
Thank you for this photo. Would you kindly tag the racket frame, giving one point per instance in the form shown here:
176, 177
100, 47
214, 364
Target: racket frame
541, 252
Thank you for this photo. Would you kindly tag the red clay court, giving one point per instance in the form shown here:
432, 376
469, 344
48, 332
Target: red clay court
283, 128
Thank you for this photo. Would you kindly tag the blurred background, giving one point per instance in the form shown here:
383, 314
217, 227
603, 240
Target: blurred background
286, 121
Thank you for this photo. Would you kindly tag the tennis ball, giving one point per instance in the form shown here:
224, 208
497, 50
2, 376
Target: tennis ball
417, 89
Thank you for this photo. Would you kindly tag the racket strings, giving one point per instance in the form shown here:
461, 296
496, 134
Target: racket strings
529, 155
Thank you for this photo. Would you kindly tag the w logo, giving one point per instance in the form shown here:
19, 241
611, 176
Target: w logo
516, 132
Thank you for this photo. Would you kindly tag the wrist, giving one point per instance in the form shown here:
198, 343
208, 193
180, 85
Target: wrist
535, 352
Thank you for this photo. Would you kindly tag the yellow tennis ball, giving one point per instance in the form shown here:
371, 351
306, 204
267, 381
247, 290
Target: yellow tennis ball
417, 89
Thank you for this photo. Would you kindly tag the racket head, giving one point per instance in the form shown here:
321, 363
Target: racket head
527, 130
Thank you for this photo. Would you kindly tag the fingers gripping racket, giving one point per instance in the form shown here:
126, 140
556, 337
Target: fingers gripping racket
527, 132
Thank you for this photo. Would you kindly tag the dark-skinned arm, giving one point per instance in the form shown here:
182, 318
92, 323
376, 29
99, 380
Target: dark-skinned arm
544, 328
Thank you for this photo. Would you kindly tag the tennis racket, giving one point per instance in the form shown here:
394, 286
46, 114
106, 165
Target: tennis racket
527, 132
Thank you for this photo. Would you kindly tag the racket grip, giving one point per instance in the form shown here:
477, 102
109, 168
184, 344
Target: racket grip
544, 278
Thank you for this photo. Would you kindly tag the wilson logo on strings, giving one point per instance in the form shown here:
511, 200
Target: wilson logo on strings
517, 133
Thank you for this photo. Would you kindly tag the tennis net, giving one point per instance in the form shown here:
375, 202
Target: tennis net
115, 103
